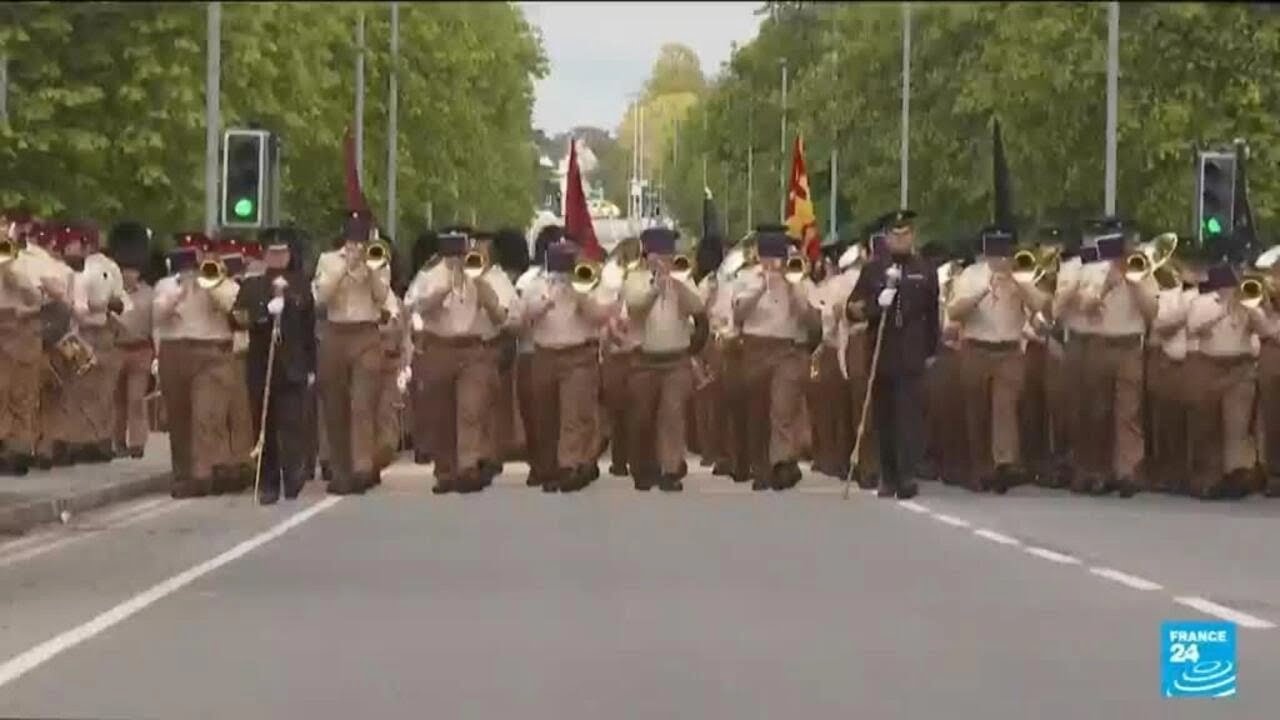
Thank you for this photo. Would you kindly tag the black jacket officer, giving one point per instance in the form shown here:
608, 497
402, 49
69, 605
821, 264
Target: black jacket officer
284, 291
899, 288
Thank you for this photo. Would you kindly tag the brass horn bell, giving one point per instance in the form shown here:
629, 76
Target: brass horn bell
681, 267
585, 277
1254, 291
8, 251
475, 264
796, 267
211, 274
377, 254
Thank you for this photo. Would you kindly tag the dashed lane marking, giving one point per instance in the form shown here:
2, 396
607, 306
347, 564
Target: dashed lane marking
951, 520
996, 537
1133, 581
1052, 556
20, 665
914, 506
1209, 607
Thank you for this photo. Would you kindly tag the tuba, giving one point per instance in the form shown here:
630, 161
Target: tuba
211, 274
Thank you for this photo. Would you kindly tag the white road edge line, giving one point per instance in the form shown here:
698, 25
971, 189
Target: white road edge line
1209, 607
1133, 581
996, 537
20, 665
1052, 556
53, 532
118, 520
914, 506
951, 520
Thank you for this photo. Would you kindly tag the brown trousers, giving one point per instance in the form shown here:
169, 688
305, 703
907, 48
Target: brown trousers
195, 407
239, 413
350, 370
773, 375
660, 387
1059, 390
565, 402
1220, 414
1269, 406
615, 381
131, 423
506, 435
831, 422
1169, 462
458, 389
390, 407
90, 419
1034, 434
419, 401
1110, 419
524, 402
946, 419
992, 378
732, 408
706, 411
21, 361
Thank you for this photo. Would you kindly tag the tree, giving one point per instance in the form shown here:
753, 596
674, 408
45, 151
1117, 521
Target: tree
676, 71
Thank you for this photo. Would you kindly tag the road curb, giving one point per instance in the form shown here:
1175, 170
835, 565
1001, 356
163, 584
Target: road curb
20, 518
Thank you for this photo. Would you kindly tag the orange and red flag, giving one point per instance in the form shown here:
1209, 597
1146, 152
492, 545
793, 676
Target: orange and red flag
801, 222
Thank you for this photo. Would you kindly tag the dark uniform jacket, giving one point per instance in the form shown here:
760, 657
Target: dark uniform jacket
296, 353
911, 337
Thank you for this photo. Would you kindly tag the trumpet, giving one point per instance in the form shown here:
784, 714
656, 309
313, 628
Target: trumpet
475, 264
1255, 290
211, 274
585, 277
1150, 257
8, 251
1030, 268
681, 267
795, 269
377, 254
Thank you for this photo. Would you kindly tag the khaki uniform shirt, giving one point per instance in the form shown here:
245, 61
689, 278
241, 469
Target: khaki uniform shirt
135, 323
1224, 329
557, 317
1069, 272
20, 286
196, 315
1169, 329
664, 317
999, 315
351, 298
776, 314
1120, 314
94, 287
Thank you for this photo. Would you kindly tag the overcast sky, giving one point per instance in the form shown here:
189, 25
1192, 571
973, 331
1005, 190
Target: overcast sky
601, 52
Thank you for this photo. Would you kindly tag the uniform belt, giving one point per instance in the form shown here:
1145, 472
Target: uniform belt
1002, 346
198, 343
589, 345
456, 341
1112, 340
664, 357
133, 344
763, 341
1229, 359
331, 326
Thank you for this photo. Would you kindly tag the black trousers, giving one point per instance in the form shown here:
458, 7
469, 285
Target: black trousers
898, 407
284, 447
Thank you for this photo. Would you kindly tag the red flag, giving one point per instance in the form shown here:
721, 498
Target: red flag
801, 222
577, 218
355, 195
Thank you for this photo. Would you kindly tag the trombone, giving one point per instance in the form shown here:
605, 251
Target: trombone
211, 274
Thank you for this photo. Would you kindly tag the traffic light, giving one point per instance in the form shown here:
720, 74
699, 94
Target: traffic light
244, 178
1216, 183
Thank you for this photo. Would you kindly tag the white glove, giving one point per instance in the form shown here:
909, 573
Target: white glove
155, 367
893, 273
886, 297
280, 284
417, 322
275, 306
311, 379
402, 380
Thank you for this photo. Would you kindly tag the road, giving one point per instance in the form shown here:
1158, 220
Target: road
715, 603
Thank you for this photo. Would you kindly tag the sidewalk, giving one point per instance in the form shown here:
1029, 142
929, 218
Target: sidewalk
42, 495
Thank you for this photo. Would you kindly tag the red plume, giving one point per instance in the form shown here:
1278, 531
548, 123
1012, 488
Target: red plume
355, 195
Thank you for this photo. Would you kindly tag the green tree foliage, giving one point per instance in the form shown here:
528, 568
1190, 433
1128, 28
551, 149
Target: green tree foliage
1192, 74
106, 107
677, 70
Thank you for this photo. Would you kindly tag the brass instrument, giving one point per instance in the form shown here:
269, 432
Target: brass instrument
681, 268
475, 264
795, 269
850, 257
1150, 257
72, 357
1256, 290
8, 251
211, 274
377, 254
585, 277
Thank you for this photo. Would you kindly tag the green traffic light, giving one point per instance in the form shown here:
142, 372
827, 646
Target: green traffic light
243, 208
1213, 226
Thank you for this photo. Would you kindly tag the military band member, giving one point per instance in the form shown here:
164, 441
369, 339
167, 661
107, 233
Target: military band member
1224, 455
129, 243
565, 321
357, 299
1269, 376
193, 321
458, 380
511, 255
900, 290
1117, 309
660, 384
425, 254
622, 337
833, 422
948, 426
728, 394
235, 471
775, 317
1167, 462
21, 296
98, 297
279, 297
992, 307
529, 280
54, 447
492, 331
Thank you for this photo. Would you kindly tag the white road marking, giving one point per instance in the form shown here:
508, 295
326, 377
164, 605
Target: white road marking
726, 490
1209, 607
20, 665
1052, 556
994, 536
822, 490
48, 542
951, 520
1133, 581
914, 506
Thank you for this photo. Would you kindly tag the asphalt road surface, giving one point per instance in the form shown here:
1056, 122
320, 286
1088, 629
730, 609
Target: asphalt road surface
716, 603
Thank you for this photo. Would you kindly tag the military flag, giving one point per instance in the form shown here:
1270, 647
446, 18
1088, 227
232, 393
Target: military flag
800, 217
577, 217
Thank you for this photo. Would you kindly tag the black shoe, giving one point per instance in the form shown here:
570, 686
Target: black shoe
740, 477
885, 491
135, 453
224, 480
643, 484
469, 481
44, 462
721, 469
442, 487
906, 492
534, 480
869, 481
292, 488
706, 462
760, 484
421, 458
1101, 486
179, 489
683, 470
61, 455
670, 483
1002, 480
551, 485
326, 472
785, 476
619, 470
268, 498
1126, 487
490, 469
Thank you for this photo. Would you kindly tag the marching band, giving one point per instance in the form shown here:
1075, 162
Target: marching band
1091, 362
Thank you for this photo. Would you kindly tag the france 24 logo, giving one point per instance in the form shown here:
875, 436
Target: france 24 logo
1198, 659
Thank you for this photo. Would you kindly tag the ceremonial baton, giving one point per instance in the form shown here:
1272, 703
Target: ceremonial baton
266, 401
866, 401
